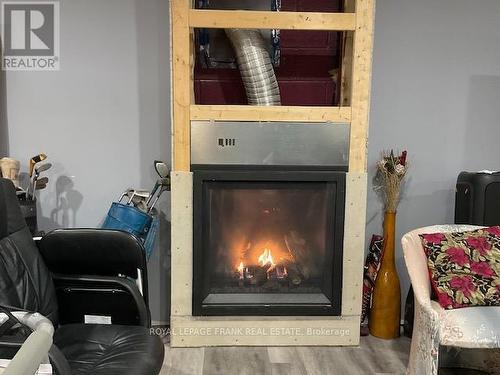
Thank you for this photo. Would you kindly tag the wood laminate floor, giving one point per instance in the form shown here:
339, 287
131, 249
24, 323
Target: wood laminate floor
373, 356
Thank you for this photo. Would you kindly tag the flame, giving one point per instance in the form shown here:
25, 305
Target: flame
241, 269
266, 258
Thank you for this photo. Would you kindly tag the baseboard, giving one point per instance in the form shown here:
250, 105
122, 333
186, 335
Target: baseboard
160, 322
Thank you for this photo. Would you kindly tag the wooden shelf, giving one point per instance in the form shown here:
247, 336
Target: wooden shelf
356, 86
270, 113
247, 19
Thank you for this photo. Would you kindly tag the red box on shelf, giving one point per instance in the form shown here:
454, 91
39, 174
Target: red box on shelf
307, 73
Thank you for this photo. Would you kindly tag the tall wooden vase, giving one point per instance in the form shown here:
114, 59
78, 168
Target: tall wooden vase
385, 314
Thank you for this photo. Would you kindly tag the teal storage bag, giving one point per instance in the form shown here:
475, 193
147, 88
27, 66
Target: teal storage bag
149, 242
129, 219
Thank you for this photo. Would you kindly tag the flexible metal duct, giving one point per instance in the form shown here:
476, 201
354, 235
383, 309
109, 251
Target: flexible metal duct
255, 66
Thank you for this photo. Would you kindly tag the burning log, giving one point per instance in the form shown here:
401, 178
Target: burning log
239, 274
281, 272
294, 274
268, 273
259, 276
299, 253
277, 272
248, 273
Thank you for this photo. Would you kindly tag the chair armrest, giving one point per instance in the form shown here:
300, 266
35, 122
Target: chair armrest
425, 338
416, 264
127, 284
36, 346
11, 341
59, 363
426, 332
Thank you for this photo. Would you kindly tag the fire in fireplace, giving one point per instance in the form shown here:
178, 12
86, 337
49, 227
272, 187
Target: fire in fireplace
268, 242
288, 268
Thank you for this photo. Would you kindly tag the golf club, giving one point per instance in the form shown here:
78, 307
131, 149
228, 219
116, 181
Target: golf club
125, 193
37, 170
20, 192
137, 196
140, 202
40, 186
33, 166
42, 181
153, 191
161, 168
163, 171
165, 186
160, 182
36, 159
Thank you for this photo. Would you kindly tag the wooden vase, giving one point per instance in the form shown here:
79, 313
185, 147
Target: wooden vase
385, 313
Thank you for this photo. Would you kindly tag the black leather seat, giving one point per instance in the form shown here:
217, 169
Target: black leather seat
109, 349
26, 283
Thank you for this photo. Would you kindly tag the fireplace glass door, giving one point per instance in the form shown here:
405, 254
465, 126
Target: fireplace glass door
268, 243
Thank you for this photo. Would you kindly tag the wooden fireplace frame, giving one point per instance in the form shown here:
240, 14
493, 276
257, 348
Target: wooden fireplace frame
358, 25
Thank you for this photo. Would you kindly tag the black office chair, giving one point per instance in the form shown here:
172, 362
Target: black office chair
75, 276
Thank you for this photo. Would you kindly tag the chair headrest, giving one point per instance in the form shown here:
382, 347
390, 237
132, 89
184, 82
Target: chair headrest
11, 218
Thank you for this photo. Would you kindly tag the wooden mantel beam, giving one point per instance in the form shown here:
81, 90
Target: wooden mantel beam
270, 113
247, 19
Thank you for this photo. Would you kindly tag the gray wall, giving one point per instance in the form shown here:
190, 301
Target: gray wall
102, 119
436, 93
105, 116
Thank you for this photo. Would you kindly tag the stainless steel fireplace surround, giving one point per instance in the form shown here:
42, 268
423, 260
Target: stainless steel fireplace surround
268, 217
284, 144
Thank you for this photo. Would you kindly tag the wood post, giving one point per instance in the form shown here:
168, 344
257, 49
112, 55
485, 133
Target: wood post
182, 85
361, 84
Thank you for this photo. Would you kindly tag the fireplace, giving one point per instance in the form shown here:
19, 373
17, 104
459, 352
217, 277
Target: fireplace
267, 241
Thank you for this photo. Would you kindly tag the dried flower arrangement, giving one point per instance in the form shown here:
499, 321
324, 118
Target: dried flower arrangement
392, 170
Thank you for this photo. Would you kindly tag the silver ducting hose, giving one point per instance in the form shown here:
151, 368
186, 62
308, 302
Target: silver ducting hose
255, 66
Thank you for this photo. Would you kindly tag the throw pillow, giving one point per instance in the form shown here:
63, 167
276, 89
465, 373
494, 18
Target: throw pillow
464, 267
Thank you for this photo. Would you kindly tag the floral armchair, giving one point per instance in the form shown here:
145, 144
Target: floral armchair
470, 327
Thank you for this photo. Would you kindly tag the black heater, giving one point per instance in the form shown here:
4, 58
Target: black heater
477, 198
268, 242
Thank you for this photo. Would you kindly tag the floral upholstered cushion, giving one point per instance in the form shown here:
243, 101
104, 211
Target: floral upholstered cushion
464, 267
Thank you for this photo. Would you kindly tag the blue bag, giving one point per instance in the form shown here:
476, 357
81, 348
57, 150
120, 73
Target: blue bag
149, 242
129, 219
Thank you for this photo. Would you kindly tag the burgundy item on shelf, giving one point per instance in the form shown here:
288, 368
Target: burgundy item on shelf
305, 75
310, 5
308, 43
303, 80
